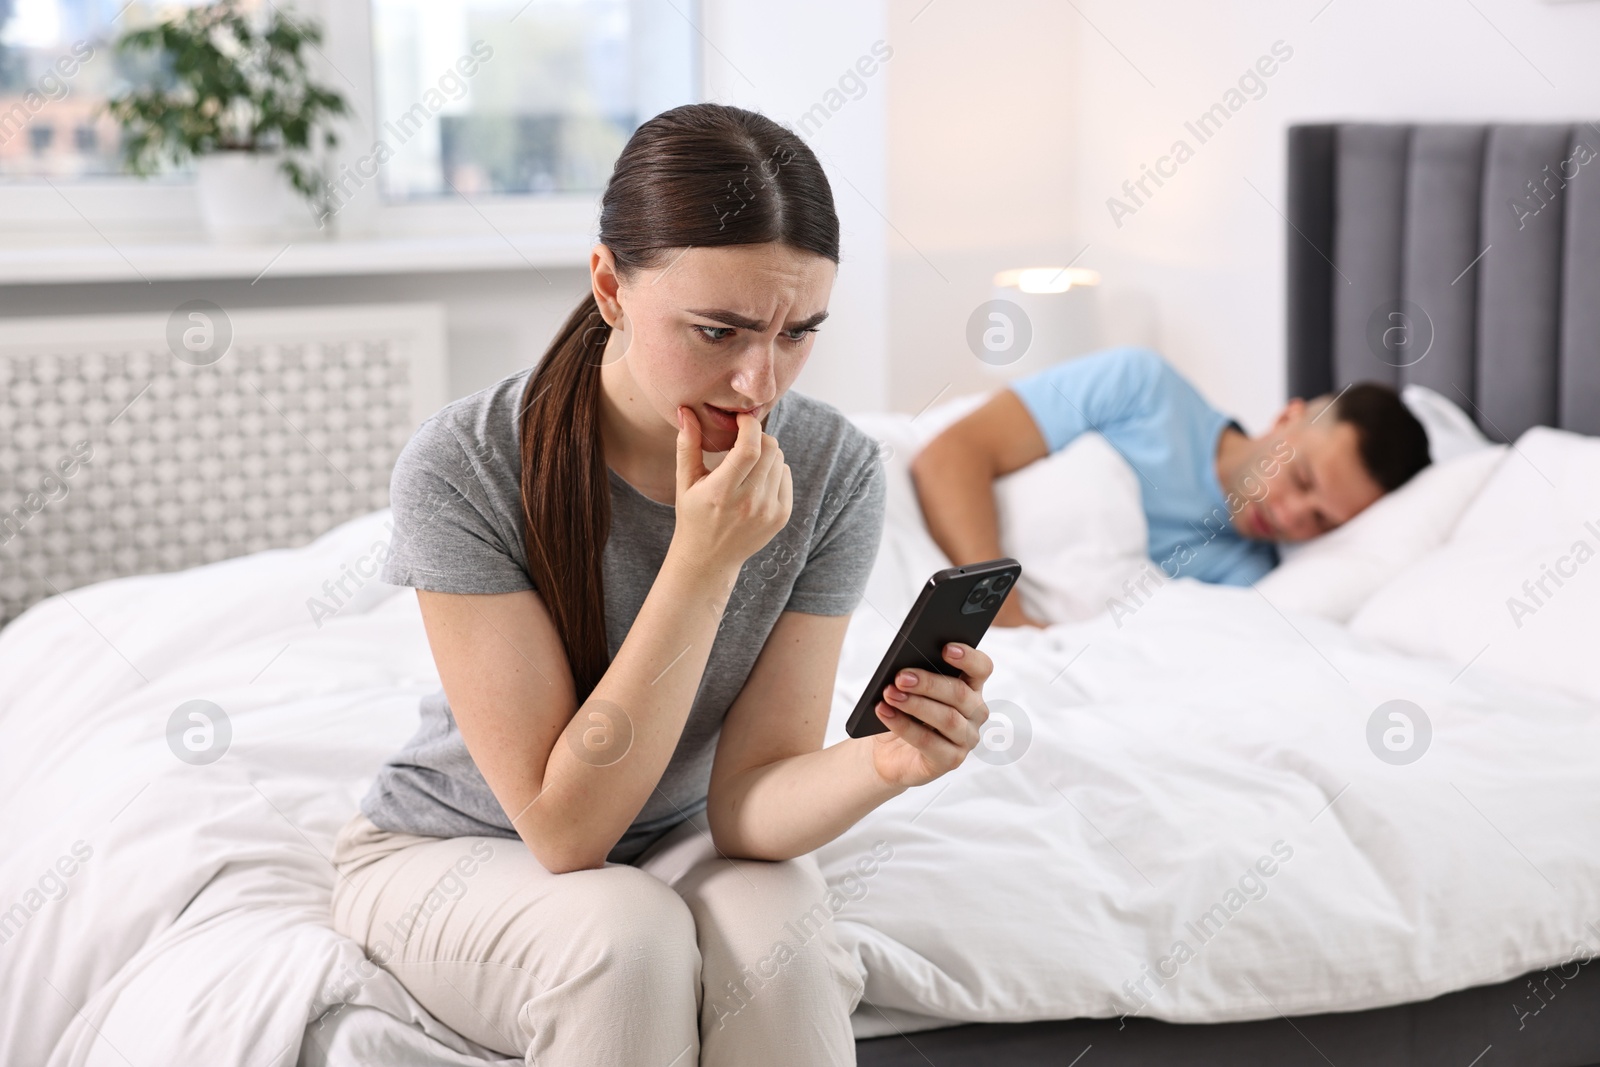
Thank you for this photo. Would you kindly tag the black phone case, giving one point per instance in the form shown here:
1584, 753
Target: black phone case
934, 620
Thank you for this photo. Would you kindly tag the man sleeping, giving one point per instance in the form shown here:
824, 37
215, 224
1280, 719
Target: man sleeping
1215, 499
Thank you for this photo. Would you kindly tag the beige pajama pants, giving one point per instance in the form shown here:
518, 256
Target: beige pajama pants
682, 958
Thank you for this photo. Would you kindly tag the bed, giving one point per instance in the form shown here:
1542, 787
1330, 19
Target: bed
1462, 260
1199, 767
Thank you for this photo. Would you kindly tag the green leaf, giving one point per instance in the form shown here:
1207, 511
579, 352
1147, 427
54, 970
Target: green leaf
252, 91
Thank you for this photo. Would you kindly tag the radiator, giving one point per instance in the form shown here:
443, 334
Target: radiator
142, 444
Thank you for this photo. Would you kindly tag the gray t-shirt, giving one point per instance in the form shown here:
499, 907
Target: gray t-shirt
457, 503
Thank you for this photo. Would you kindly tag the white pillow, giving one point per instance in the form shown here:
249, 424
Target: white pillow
907, 554
1451, 431
1076, 523
1478, 599
900, 437
1333, 575
930, 423
1073, 519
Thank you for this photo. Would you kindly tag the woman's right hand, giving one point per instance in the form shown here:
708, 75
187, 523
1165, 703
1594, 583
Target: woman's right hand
727, 515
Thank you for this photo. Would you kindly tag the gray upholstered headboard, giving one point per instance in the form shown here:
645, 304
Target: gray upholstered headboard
1465, 258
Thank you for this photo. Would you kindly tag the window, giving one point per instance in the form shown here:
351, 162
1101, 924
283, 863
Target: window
514, 97
529, 135
58, 66
56, 69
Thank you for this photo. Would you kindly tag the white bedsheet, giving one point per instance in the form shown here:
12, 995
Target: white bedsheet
197, 929
1166, 759
1167, 756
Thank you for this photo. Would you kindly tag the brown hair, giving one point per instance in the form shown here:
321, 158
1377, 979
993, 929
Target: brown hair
699, 175
1392, 441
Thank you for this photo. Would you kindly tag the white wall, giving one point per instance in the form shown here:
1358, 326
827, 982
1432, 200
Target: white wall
1011, 123
995, 133
981, 174
1208, 244
781, 60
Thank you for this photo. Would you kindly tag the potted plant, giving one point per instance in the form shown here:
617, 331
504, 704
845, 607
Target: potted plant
234, 96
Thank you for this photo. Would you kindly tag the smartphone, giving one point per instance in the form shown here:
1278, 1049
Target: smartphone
957, 604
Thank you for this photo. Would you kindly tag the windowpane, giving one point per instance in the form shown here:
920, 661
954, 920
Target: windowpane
57, 67
520, 96
48, 90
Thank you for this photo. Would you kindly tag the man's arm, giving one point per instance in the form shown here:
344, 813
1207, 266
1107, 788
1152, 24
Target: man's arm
955, 473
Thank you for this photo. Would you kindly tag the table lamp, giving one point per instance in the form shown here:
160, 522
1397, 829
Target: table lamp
1036, 316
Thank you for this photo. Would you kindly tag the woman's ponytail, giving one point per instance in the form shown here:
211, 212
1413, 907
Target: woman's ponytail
566, 491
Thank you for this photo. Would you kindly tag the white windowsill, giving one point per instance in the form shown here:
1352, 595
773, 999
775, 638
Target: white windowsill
308, 256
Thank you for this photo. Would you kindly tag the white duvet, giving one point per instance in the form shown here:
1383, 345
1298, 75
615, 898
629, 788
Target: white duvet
1197, 771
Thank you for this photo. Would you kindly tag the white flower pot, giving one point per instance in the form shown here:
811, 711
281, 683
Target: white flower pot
244, 196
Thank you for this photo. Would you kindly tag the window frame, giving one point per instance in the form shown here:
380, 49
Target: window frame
83, 210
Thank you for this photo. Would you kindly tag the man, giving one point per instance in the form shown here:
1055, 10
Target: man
1215, 499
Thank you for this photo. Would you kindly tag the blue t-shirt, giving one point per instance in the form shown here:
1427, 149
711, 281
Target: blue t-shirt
1168, 434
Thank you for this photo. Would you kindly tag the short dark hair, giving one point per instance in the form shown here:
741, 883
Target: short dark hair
1391, 440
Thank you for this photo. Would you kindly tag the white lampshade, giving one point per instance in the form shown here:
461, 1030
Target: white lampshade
1046, 279
1059, 319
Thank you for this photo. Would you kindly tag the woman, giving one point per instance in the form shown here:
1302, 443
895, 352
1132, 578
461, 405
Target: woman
597, 847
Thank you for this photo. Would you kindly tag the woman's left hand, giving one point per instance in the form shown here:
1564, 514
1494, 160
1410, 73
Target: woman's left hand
937, 723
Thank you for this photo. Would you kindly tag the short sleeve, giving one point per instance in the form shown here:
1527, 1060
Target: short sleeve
1094, 392
835, 574
447, 536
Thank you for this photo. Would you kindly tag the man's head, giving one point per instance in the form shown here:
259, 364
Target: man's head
1322, 462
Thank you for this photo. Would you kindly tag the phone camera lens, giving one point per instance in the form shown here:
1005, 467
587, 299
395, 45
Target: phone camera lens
1002, 583
975, 596
994, 599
